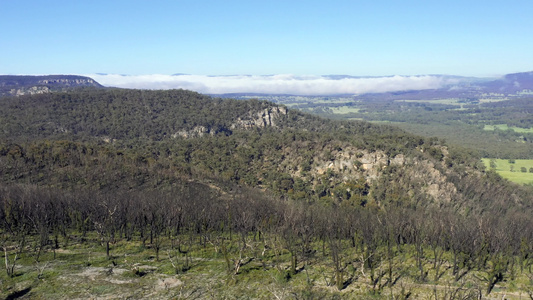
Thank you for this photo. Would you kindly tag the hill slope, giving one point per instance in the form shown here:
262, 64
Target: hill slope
255, 143
252, 191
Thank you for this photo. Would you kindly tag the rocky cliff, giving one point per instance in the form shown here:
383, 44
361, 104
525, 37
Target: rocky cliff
254, 119
22, 85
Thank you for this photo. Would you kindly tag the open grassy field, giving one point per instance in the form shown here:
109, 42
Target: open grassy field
450, 101
345, 109
513, 171
506, 127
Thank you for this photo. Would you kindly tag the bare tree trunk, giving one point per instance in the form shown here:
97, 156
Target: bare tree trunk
10, 268
294, 262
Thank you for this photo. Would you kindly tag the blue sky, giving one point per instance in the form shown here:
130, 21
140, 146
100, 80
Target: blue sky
362, 38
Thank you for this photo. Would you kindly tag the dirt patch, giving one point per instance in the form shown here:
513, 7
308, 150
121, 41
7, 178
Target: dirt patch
92, 272
168, 283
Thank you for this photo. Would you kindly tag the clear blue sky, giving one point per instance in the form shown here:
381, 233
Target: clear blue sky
480, 38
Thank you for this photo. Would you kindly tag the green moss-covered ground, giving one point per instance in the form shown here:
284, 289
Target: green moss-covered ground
82, 271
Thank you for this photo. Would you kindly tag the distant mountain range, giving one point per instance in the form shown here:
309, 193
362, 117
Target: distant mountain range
14, 85
426, 87
510, 85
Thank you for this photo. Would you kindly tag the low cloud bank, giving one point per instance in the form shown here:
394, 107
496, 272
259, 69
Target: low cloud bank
274, 84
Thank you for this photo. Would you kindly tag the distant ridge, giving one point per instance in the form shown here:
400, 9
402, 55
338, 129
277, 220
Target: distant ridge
509, 85
513, 82
397, 87
17, 85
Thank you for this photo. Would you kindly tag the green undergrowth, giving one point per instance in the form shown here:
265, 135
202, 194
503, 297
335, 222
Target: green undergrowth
200, 270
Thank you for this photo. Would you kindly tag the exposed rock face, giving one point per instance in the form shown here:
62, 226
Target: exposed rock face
30, 91
29, 85
264, 118
84, 81
349, 163
197, 131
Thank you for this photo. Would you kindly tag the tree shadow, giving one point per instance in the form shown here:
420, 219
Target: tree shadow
438, 276
461, 275
347, 282
18, 294
396, 279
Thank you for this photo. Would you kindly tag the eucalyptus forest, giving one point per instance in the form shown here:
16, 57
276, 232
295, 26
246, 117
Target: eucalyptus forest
124, 193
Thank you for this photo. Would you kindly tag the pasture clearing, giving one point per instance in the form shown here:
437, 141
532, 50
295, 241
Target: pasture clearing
505, 127
512, 171
345, 109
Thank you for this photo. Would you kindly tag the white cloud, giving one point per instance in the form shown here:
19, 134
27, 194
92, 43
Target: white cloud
273, 84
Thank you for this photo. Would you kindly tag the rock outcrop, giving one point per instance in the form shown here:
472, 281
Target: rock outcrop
30, 85
264, 118
259, 119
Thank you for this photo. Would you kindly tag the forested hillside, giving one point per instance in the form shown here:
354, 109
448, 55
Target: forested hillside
459, 121
260, 188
